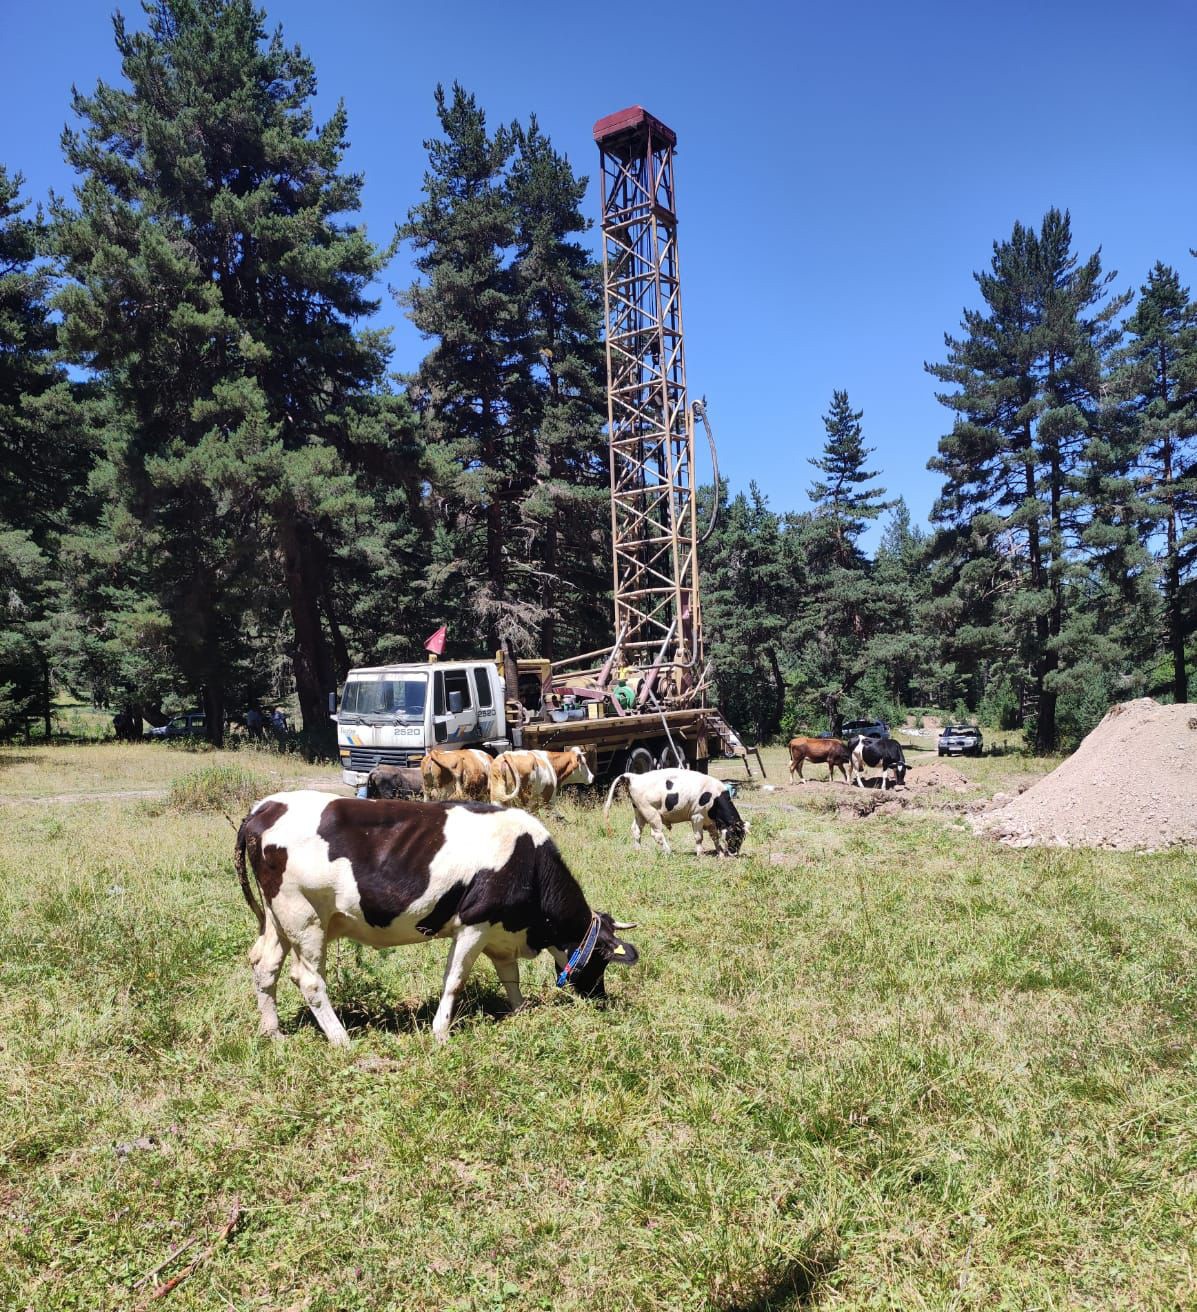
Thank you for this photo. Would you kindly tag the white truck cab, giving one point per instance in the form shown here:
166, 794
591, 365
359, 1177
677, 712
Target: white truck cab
393, 714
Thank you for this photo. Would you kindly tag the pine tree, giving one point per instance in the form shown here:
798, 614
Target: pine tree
843, 497
752, 577
46, 449
1157, 378
841, 609
1028, 376
510, 395
566, 508
216, 290
903, 649
466, 388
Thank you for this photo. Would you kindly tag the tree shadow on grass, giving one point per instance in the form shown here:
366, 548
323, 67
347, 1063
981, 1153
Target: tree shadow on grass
794, 1284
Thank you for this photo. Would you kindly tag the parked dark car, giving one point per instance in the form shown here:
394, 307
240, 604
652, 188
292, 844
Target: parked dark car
960, 740
191, 724
869, 728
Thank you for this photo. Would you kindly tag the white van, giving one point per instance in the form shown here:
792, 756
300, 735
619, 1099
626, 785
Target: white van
393, 714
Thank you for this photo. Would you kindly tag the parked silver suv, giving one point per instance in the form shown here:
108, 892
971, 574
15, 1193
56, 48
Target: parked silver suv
960, 740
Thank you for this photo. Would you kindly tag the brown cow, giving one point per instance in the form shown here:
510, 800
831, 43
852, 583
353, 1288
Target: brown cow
454, 775
830, 752
531, 778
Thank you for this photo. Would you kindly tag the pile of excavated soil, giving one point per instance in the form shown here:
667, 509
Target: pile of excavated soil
936, 776
1129, 786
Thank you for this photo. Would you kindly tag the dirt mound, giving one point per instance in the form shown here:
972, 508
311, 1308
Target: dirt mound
1128, 786
936, 776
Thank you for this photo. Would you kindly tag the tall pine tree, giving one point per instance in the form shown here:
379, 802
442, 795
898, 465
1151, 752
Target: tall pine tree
467, 388
565, 509
510, 395
216, 293
46, 449
1027, 375
1157, 380
842, 608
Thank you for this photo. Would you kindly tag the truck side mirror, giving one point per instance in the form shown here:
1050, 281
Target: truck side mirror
332, 702
455, 703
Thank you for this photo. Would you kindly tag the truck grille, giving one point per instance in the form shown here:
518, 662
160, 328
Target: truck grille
366, 758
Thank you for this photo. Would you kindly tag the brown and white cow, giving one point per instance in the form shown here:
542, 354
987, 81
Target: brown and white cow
830, 752
451, 774
531, 778
386, 873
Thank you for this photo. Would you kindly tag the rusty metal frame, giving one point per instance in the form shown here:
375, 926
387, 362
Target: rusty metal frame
651, 428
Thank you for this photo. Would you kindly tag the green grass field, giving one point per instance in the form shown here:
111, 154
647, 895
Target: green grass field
874, 1063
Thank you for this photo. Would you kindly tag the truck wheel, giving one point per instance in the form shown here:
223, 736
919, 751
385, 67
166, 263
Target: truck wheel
640, 761
671, 758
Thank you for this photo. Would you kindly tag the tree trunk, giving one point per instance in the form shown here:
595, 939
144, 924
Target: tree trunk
548, 593
212, 701
779, 695
46, 701
341, 661
1172, 601
1044, 702
314, 677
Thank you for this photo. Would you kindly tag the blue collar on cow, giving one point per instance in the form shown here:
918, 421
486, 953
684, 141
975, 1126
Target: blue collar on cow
582, 953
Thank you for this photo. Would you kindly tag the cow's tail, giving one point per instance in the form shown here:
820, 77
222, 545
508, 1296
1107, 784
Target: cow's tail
508, 790
247, 891
619, 779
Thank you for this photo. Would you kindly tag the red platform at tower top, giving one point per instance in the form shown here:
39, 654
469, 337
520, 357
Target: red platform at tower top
629, 120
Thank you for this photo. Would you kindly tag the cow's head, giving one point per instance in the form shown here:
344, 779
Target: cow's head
579, 773
587, 978
728, 821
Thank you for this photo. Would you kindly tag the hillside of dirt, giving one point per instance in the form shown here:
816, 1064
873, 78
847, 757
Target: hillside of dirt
1128, 786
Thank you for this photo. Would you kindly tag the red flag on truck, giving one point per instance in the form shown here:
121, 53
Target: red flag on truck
435, 643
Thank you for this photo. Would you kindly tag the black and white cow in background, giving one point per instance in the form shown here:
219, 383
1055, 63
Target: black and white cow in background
874, 752
664, 798
385, 873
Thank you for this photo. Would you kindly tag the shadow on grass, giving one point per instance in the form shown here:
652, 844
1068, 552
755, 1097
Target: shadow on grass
362, 1016
794, 1284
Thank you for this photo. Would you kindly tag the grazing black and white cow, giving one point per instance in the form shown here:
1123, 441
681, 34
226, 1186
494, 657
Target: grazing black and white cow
664, 798
874, 752
385, 873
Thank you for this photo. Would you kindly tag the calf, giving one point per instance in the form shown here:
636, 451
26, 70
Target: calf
819, 751
883, 752
452, 775
531, 778
664, 798
386, 873
394, 781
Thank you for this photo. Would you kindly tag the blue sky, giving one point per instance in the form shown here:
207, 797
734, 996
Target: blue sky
842, 169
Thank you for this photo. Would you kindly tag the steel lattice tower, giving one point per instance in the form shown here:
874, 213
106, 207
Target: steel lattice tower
651, 429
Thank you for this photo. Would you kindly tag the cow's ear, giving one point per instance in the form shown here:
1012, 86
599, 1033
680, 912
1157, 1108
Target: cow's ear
622, 953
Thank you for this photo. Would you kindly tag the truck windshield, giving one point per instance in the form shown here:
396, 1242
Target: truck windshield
402, 698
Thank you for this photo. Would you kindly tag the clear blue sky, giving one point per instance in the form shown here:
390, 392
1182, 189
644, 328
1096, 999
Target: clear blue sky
842, 169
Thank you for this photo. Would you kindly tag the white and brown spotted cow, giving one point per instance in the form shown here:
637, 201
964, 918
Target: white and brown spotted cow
531, 778
386, 873
456, 774
664, 798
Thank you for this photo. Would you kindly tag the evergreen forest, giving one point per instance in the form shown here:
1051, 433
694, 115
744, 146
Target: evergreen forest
216, 491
